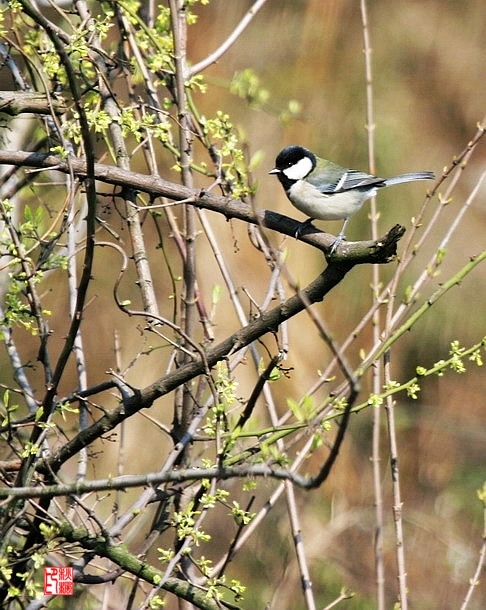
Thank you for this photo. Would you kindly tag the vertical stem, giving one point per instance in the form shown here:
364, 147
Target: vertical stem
397, 498
306, 581
78, 347
123, 436
376, 458
474, 581
184, 405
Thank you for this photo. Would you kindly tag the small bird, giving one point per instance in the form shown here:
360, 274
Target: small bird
326, 191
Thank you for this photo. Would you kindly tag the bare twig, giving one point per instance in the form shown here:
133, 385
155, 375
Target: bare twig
474, 581
232, 38
377, 369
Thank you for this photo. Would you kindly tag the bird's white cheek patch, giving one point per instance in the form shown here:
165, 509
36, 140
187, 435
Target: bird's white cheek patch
299, 170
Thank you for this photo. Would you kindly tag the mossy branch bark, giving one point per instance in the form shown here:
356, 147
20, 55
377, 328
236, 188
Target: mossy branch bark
121, 556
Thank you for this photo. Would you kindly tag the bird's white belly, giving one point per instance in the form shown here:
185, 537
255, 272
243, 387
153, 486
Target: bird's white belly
314, 204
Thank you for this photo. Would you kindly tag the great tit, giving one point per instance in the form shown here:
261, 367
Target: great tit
326, 191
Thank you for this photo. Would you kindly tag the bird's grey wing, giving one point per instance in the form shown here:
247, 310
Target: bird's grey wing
351, 179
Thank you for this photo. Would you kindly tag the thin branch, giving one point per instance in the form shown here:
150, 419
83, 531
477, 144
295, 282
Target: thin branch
397, 495
456, 279
18, 368
474, 581
376, 283
305, 578
345, 594
410, 249
184, 401
257, 390
232, 38
222, 473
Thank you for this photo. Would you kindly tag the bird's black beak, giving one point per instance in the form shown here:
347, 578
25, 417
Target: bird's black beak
275, 170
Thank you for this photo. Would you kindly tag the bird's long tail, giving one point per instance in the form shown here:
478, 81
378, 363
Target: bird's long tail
409, 178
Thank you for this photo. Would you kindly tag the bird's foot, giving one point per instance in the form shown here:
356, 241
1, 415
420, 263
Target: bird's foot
301, 227
337, 242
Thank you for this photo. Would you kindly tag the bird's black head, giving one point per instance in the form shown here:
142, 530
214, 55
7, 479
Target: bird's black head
293, 163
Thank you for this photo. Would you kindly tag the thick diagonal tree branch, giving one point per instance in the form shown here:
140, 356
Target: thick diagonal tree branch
269, 321
14, 103
379, 252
